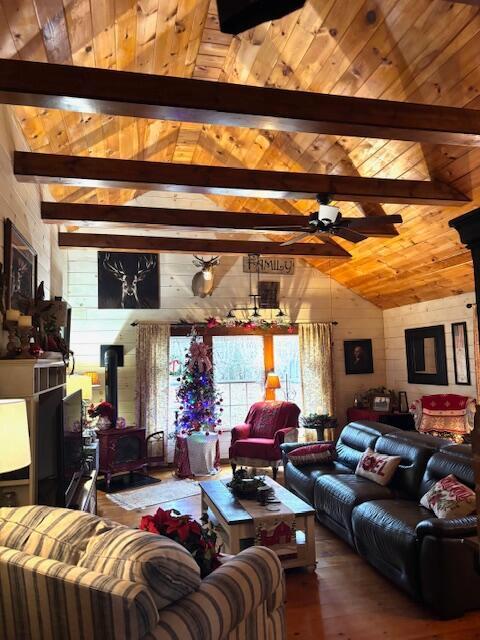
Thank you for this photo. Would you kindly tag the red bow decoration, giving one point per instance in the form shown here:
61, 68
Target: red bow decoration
199, 357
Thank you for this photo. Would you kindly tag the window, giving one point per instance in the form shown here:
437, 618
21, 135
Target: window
286, 357
239, 374
240, 365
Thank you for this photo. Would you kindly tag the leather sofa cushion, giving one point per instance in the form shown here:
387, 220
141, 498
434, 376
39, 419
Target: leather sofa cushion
356, 437
384, 532
414, 454
337, 496
261, 448
454, 460
301, 480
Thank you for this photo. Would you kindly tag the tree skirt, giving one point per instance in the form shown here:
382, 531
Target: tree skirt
166, 491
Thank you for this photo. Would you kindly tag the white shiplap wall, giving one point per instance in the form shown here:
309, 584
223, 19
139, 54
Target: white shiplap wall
21, 203
424, 314
308, 296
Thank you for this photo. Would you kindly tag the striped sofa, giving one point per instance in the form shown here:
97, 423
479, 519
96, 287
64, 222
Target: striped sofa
67, 574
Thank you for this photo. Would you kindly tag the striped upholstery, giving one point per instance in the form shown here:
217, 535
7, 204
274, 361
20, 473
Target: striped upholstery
43, 599
242, 600
166, 568
48, 532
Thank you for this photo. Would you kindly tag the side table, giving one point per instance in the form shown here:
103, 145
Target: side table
196, 454
402, 421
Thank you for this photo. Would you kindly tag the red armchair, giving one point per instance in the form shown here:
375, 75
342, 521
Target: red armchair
256, 443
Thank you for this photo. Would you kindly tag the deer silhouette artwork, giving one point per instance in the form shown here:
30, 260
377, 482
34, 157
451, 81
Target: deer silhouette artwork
131, 279
202, 283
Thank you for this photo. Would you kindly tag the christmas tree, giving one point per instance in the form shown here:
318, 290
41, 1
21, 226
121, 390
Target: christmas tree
200, 402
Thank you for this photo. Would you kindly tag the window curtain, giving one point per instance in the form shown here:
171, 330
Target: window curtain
476, 349
316, 367
152, 356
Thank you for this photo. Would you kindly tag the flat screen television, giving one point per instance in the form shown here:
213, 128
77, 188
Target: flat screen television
72, 444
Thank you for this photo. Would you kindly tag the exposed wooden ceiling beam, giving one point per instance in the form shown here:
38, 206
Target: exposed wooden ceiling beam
197, 245
123, 93
161, 176
188, 219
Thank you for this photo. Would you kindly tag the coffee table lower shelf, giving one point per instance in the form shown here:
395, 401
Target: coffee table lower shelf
236, 526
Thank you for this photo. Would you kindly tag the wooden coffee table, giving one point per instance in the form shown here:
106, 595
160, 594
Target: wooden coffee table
237, 525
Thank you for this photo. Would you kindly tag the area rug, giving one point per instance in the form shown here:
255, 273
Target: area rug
127, 481
165, 491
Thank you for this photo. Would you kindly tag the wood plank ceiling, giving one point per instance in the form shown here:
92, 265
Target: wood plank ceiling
422, 51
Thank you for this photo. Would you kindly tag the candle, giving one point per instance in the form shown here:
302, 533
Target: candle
12, 315
25, 321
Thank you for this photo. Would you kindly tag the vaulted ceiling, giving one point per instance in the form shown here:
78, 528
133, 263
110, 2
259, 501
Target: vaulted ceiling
422, 51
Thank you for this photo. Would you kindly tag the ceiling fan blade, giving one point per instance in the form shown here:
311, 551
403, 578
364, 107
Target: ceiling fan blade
297, 238
349, 234
293, 228
373, 225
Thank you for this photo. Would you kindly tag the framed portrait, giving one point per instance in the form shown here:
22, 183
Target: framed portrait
20, 269
358, 356
128, 280
461, 360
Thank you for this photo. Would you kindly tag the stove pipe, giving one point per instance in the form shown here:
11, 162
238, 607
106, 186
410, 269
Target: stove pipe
111, 357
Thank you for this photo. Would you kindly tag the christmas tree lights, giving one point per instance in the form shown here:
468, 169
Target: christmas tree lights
200, 402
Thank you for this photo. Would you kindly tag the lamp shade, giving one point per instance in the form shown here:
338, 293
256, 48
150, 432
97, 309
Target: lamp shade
273, 381
80, 383
94, 377
14, 438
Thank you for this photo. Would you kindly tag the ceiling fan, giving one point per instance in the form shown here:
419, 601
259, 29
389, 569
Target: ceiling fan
328, 220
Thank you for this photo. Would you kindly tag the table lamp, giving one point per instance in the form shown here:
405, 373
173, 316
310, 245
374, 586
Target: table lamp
14, 441
94, 377
272, 383
81, 383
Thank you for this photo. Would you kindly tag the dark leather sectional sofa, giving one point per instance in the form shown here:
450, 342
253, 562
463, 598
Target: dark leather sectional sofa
428, 557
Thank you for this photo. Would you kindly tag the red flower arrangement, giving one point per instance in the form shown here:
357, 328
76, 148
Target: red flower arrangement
103, 409
199, 540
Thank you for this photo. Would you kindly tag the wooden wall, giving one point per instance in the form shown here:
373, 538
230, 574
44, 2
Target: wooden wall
306, 295
21, 203
424, 314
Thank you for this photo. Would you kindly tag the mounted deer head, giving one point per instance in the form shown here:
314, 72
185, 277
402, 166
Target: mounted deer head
202, 283
130, 280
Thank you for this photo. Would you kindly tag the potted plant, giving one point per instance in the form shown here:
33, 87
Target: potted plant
319, 422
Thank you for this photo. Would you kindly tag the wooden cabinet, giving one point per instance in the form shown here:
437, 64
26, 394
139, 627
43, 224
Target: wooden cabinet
122, 450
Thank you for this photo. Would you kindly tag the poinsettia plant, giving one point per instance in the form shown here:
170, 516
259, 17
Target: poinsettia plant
102, 409
199, 539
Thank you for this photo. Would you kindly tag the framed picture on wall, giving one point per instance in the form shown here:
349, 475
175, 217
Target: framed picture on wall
128, 280
20, 269
461, 360
358, 356
426, 355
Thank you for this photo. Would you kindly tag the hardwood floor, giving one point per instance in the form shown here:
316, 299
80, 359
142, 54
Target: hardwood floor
345, 599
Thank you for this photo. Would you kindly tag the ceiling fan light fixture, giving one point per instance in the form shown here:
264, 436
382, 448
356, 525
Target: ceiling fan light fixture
328, 214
